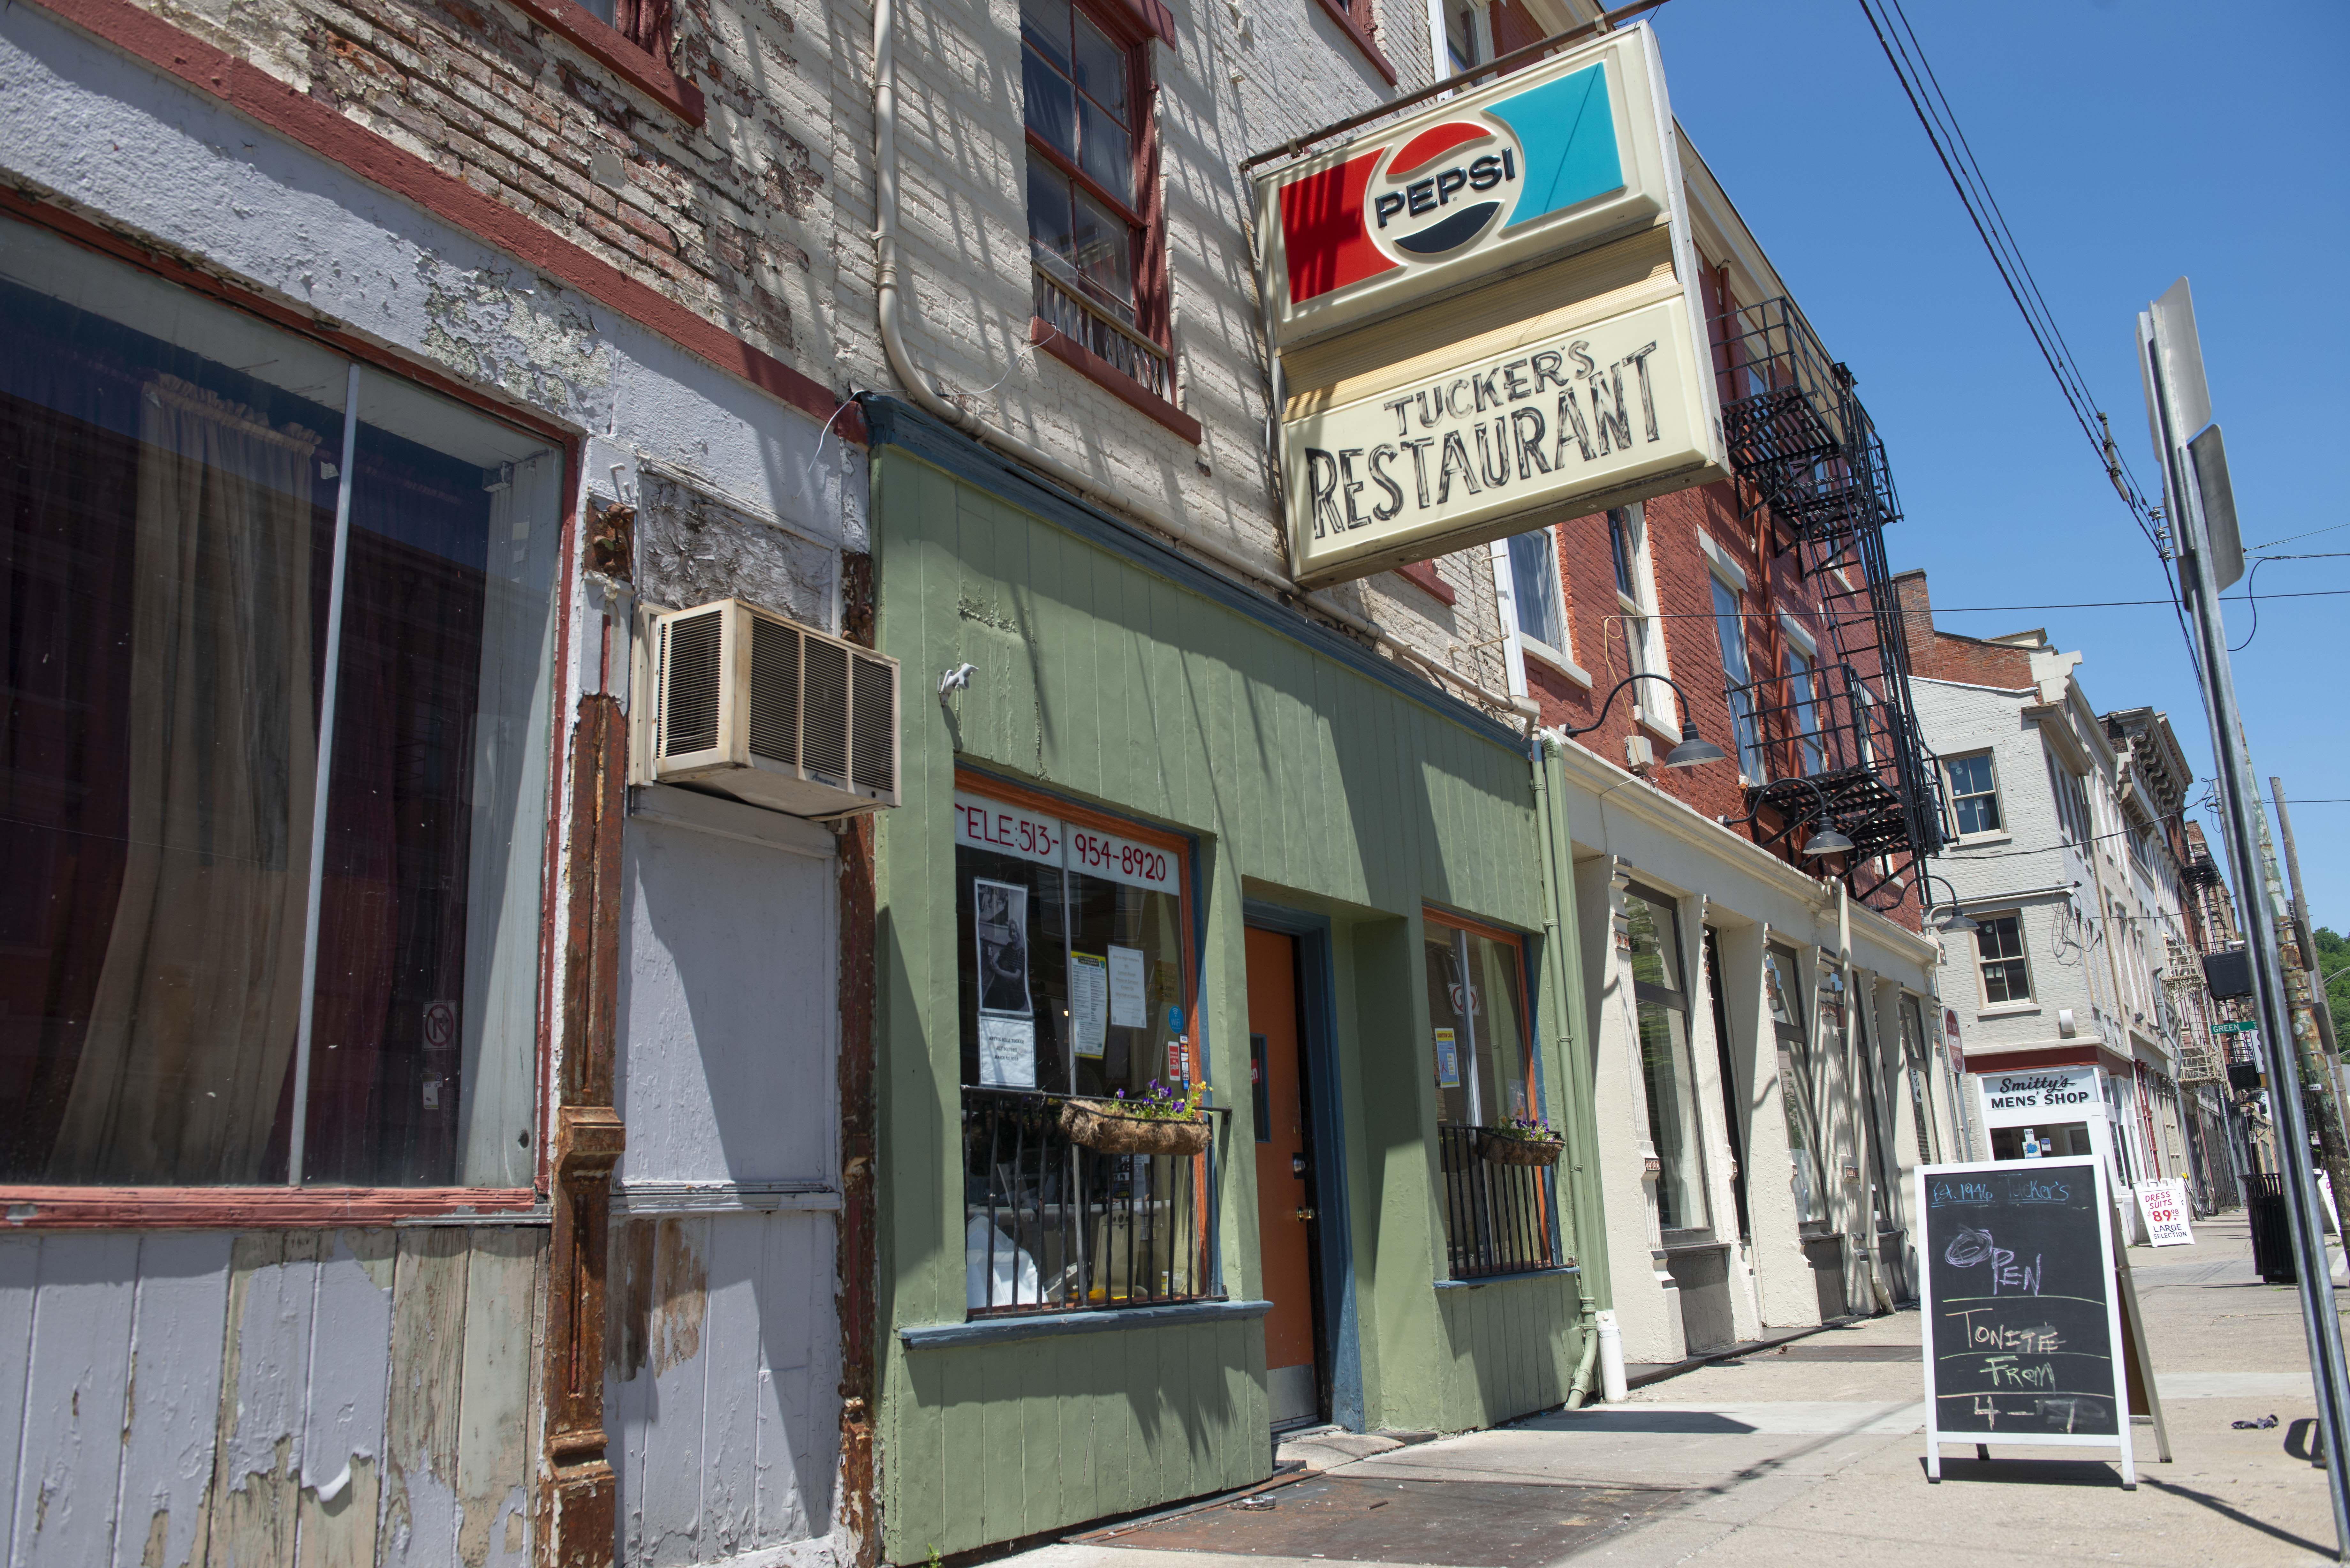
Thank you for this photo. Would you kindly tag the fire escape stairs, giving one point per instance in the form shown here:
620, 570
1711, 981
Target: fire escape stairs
1808, 452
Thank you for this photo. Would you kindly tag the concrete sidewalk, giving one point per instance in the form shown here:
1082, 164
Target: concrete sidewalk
1813, 1454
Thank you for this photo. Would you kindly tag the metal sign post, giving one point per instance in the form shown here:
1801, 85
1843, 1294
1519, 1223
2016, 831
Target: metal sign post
2203, 514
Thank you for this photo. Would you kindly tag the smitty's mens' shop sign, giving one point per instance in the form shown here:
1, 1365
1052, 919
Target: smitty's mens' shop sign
1487, 316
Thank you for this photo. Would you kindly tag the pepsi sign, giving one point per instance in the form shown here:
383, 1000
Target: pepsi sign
1485, 316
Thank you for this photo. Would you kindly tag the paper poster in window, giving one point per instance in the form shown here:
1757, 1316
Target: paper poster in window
1127, 1006
1007, 1052
1447, 1061
1089, 1004
1002, 930
1007, 1021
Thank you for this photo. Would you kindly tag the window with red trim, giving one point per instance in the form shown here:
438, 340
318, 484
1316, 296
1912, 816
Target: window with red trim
644, 23
1084, 79
277, 653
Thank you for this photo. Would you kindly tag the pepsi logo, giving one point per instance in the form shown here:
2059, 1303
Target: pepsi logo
1443, 189
1440, 194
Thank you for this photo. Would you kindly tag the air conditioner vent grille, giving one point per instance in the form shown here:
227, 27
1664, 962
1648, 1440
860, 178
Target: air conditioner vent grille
873, 721
774, 691
691, 684
824, 736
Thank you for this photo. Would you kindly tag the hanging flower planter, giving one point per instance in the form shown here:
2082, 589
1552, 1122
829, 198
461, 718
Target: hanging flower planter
1108, 1130
1500, 1148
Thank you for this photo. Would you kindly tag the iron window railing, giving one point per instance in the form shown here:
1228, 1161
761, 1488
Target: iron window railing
1065, 308
1497, 1217
1051, 1226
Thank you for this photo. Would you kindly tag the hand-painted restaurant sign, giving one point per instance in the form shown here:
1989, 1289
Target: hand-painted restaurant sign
1486, 317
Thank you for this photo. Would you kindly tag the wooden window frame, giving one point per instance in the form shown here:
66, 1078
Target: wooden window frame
33, 1206
1359, 19
2022, 957
1982, 834
971, 781
1453, 920
1132, 28
634, 46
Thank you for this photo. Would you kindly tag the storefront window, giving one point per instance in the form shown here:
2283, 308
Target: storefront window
1477, 1022
1497, 1209
229, 554
1667, 1070
1075, 959
1782, 997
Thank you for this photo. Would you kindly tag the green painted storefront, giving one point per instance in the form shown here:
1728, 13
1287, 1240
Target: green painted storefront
1312, 779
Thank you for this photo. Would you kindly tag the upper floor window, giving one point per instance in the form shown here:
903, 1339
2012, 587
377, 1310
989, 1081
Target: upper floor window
644, 23
1082, 89
1803, 699
1974, 794
1459, 39
1535, 593
1730, 628
1999, 949
1627, 545
279, 683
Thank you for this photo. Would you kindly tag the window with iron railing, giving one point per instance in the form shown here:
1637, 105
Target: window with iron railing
1494, 1149
1087, 1158
1086, 81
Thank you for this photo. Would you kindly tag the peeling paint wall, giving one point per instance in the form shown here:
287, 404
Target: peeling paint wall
722, 1346
186, 1399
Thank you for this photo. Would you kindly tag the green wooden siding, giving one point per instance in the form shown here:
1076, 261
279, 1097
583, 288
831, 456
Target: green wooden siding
1307, 781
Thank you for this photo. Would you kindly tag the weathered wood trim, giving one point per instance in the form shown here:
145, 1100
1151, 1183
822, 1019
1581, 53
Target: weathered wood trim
256, 1207
580, 1497
856, 1247
651, 1200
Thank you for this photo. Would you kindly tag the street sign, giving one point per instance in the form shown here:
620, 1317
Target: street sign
2245, 1028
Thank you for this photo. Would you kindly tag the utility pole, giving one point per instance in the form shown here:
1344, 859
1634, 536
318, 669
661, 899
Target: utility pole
2210, 555
2313, 1019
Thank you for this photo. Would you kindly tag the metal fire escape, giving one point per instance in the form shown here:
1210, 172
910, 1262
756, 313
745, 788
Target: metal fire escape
1839, 744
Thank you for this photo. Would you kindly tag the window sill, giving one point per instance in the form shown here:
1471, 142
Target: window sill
613, 48
1337, 13
1657, 727
1421, 575
2008, 1010
1095, 368
1966, 841
1558, 661
1561, 1271
264, 1207
1056, 1324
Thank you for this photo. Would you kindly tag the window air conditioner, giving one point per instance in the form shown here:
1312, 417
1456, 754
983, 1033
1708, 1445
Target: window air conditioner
748, 704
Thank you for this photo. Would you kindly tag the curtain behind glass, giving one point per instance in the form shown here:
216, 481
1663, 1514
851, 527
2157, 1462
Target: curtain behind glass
1534, 587
183, 1070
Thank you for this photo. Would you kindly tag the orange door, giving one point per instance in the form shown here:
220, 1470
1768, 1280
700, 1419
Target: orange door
1284, 1190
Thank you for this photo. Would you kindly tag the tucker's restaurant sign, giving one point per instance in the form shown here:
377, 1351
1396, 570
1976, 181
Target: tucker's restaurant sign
1487, 316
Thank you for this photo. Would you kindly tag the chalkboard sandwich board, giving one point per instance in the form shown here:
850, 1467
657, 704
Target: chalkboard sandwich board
2022, 1325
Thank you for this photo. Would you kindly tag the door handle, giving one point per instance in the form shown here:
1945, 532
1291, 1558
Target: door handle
1305, 1213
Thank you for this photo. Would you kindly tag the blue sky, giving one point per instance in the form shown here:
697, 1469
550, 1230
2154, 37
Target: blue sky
2128, 141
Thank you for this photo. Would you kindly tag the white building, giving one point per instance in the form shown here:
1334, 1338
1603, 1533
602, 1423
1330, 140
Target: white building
2064, 855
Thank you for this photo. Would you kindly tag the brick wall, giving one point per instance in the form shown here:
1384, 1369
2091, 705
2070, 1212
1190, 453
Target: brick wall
728, 218
1938, 655
1775, 593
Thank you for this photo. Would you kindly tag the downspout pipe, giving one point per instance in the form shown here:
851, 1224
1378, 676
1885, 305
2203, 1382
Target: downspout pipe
1603, 1348
889, 308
